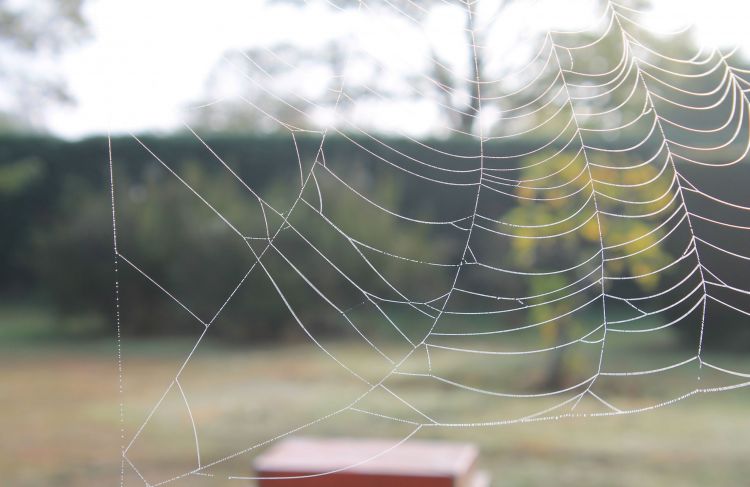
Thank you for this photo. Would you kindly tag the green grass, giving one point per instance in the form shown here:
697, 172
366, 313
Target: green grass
61, 414
23, 322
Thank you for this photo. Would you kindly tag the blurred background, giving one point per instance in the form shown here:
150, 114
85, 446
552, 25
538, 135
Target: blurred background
339, 143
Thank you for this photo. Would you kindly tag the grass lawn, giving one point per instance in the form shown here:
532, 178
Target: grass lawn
61, 416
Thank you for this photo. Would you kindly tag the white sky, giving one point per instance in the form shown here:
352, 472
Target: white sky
149, 59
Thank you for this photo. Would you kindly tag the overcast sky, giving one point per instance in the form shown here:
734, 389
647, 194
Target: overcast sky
149, 59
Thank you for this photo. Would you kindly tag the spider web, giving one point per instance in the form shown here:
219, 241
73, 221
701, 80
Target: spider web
584, 180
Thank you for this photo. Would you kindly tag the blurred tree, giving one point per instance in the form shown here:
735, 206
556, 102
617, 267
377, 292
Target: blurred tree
543, 210
32, 34
300, 86
283, 86
276, 76
461, 95
453, 89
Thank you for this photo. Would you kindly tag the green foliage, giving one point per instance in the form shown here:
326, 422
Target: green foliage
174, 237
18, 176
57, 232
27, 30
560, 223
550, 210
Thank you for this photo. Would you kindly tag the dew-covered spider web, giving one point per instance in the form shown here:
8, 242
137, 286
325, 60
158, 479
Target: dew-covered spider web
597, 205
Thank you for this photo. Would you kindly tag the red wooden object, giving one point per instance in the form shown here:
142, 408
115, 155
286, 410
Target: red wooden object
411, 464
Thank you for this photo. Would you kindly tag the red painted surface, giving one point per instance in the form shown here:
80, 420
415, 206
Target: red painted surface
343, 479
366, 463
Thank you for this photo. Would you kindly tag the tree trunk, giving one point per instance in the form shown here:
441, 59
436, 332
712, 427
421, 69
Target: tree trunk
470, 113
556, 376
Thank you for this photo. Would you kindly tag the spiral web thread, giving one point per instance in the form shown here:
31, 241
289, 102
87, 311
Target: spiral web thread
650, 92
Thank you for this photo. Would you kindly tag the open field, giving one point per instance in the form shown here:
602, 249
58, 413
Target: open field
61, 419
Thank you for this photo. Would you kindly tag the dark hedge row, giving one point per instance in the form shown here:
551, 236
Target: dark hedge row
56, 221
